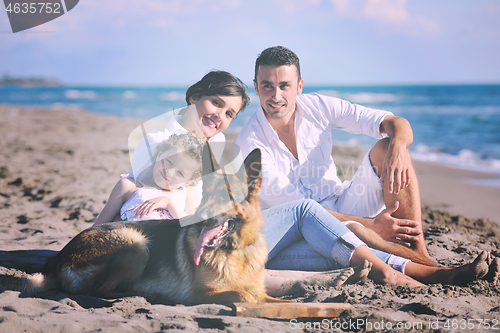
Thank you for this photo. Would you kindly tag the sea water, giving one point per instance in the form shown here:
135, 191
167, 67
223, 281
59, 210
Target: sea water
454, 125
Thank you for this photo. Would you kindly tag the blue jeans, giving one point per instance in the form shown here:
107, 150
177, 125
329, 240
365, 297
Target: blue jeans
302, 235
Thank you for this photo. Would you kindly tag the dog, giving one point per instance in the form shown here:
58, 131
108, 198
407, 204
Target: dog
218, 260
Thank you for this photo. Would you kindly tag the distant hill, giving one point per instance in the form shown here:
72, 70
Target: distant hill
8, 80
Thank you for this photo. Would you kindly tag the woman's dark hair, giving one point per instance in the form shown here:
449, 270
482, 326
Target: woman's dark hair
276, 56
219, 83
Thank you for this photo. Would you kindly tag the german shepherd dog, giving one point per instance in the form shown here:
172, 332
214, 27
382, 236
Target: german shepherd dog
218, 260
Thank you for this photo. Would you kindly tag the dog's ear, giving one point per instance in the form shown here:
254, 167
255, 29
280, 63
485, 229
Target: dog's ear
208, 162
253, 170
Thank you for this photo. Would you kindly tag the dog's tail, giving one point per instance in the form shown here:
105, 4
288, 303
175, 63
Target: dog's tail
31, 285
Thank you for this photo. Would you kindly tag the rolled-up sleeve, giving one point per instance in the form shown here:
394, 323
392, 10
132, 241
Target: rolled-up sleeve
353, 118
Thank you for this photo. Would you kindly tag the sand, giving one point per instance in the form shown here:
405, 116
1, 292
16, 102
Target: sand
57, 168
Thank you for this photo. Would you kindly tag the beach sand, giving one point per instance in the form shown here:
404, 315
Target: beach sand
57, 168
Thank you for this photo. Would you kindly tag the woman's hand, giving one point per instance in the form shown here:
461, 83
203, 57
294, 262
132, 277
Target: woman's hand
150, 205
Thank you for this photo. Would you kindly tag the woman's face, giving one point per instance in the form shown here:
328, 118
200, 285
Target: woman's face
216, 112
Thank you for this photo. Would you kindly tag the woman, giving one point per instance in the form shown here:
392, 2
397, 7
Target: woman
213, 102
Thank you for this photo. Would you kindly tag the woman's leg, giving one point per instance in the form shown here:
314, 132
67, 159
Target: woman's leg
300, 262
300, 256
381, 272
330, 242
289, 223
292, 259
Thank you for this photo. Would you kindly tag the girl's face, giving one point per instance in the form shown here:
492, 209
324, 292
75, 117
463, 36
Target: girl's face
216, 112
173, 169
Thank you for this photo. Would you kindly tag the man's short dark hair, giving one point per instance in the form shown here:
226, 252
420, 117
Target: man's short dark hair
276, 56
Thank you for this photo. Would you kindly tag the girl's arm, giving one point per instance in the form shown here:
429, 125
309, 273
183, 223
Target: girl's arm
167, 203
119, 195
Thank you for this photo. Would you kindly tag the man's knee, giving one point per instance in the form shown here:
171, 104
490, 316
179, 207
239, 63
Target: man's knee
377, 154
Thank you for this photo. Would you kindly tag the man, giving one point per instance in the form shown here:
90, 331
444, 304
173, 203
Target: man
293, 131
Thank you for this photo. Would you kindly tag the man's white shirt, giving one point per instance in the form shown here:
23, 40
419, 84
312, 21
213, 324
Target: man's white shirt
314, 174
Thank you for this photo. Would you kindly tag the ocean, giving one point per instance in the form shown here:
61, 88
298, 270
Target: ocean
454, 125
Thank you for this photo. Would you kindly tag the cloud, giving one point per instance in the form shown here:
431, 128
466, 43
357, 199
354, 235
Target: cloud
386, 10
387, 14
294, 6
162, 7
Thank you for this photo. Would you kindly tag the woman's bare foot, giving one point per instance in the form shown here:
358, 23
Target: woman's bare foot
279, 283
493, 271
477, 269
360, 271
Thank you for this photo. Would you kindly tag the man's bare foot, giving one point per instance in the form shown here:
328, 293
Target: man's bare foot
493, 271
475, 270
360, 271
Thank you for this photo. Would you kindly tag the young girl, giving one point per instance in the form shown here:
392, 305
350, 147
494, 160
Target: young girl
169, 192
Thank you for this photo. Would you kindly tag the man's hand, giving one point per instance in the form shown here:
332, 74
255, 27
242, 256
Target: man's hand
396, 168
395, 230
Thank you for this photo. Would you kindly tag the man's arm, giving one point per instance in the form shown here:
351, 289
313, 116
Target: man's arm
395, 168
401, 231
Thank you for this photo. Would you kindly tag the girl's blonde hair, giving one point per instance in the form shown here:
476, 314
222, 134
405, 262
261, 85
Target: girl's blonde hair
189, 144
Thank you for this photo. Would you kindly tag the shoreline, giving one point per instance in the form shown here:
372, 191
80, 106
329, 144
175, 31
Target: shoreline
446, 188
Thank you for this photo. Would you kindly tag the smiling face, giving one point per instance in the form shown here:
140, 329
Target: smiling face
216, 112
173, 169
277, 88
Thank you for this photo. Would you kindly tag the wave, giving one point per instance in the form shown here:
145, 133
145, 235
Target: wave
80, 94
129, 94
172, 96
465, 159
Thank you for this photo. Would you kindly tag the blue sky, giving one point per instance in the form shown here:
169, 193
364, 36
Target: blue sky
175, 42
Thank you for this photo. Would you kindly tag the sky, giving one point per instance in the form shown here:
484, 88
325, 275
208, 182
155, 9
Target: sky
339, 42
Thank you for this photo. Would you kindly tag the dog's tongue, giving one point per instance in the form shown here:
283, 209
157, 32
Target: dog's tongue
205, 236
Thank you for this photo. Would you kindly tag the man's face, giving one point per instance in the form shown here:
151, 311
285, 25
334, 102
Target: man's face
277, 88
